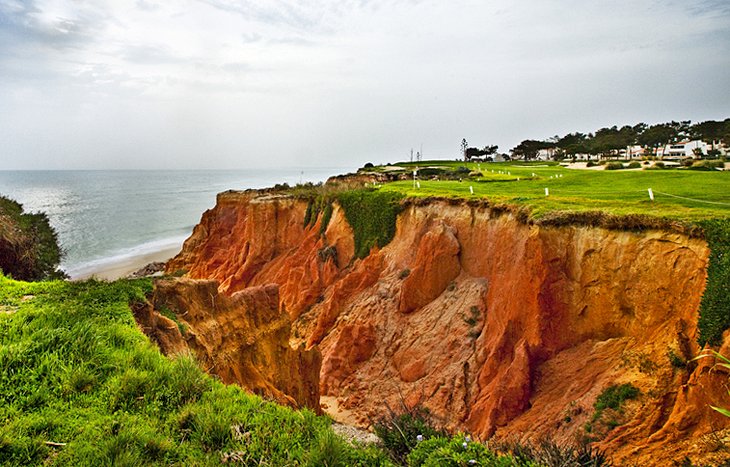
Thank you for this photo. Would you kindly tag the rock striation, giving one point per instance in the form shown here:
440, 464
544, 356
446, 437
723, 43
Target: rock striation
501, 328
242, 338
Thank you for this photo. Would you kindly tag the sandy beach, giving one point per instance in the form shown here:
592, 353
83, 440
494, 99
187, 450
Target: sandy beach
128, 265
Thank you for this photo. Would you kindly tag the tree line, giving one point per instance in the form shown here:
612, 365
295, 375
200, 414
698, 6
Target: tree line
608, 142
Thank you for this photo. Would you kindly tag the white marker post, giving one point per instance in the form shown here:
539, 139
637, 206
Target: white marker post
471, 189
418, 184
651, 195
415, 172
547, 193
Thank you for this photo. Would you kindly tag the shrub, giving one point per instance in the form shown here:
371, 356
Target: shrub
400, 432
613, 397
715, 304
659, 164
675, 359
706, 165
550, 453
614, 166
456, 451
28, 244
591, 164
634, 165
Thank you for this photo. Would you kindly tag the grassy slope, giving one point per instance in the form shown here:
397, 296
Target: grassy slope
75, 369
616, 192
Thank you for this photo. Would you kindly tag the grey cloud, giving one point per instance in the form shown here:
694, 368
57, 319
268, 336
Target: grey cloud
21, 25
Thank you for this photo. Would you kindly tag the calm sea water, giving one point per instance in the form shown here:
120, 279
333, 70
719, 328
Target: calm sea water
103, 217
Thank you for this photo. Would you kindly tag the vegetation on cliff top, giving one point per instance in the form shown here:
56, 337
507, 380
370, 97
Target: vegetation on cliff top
28, 244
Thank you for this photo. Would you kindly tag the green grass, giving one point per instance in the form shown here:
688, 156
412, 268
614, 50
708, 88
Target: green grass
75, 369
616, 192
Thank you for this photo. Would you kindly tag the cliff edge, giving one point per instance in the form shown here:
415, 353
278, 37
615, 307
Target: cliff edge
500, 327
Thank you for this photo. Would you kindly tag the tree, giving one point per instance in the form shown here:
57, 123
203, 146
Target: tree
709, 131
657, 135
528, 149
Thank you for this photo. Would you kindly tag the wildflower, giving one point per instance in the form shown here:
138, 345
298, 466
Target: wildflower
464, 444
419, 438
472, 462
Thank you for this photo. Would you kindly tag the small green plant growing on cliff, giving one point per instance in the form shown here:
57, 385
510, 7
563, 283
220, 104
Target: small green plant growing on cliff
675, 359
168, 313
613, 397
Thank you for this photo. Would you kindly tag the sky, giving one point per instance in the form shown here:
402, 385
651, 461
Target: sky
184, 84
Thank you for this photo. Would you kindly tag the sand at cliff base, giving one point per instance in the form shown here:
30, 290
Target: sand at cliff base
129, 265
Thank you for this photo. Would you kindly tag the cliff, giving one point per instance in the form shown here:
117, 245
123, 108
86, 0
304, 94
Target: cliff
242, 338
499, 327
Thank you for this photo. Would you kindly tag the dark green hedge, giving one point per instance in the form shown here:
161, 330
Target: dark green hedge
715, 306
372, 216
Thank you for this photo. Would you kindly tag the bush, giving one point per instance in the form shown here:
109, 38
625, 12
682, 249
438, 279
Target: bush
613, 397
715, 304
591, 164
659, 164
457, 451
400, 433
549, 453
706, 165
614, 166
28, 244
634, 165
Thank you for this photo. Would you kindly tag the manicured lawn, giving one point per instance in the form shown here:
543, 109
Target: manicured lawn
612, 191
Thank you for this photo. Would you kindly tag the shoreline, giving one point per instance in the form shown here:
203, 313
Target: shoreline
124, 267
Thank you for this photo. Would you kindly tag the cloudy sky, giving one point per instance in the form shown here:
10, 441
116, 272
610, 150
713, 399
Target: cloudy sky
240, 83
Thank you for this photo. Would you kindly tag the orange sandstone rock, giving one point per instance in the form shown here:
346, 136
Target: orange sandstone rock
501, 328
242, 338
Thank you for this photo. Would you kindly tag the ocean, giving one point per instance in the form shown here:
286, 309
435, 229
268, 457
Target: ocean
106, 217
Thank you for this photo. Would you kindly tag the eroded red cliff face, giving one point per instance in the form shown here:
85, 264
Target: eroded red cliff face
242, 338
499, 327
